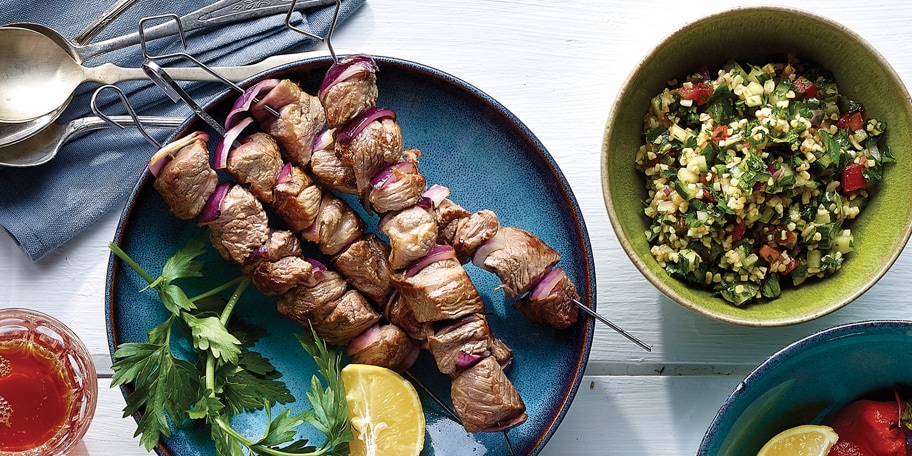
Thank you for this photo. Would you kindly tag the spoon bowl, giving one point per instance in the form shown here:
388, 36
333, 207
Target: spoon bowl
12, 133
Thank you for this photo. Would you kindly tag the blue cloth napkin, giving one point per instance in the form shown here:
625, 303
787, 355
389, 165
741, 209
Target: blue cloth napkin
45, 206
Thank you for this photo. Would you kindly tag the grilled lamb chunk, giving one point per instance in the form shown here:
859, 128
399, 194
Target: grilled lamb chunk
374, 148
552, 307
187, 181
332, 174
448, 211
347, 98
401, 315
301, 120
241, 227
502, 353
337, 225
412, 233
366, 266
279, 244
523, 261
297, 200
485, 400
351, 316
307, 305
440, 291
402, 188
256, 163
466, 234
390, 348
276, 277
461, 344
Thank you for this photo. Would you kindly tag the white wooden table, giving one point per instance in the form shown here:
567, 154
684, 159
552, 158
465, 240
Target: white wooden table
557, 65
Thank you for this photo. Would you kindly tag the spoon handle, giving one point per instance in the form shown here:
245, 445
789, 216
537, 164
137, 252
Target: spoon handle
102, 21
219, 13
86, 124
109, 73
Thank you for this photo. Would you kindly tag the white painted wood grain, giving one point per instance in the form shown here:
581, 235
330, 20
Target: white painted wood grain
557, 65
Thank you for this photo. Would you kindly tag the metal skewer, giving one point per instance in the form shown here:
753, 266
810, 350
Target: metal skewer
611, 325
332, 27
123, 98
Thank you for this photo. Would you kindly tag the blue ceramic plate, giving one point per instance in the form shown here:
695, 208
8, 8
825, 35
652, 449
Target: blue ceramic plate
809, 381
488, 159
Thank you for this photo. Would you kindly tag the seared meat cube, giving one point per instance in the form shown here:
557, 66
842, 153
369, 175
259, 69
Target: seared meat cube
275, 277
502, 353
306, 305
485, 400
523, 261
461, 344
466, 234
366, 266
374, 148
281, 243
346, 98
256, 163
337, 225
553, 307
448, 211
241, 227
388, 346
412, 233
440, 291
401, 315
401, 188
187, 181
297, 200
351, 316
332, 174
301, 119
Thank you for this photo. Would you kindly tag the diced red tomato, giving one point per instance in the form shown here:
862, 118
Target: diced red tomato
770, 254
783, 236
709, 197
851, 120
806, 87
720, 133
738, 231
790, 266
699, 92
853, 178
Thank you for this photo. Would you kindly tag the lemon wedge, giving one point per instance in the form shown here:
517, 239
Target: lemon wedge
804, 440
384, 411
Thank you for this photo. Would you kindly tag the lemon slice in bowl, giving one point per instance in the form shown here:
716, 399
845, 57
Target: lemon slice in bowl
384, 411
804, 440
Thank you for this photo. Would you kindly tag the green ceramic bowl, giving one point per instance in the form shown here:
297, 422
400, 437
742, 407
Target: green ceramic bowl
756, 35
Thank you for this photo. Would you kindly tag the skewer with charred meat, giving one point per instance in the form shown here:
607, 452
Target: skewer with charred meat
308, 293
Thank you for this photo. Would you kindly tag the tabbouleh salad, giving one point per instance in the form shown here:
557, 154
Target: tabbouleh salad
751, 175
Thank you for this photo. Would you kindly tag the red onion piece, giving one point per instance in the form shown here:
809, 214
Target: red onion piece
312, 233
164, 155
242, 104
212, 208
391, 174
355, 126
437, 253
497, 242
317, 266
465, 360
436, 193
347, 68
284, 174
258, 253
324, 140
547, 284
363, 340
225, 145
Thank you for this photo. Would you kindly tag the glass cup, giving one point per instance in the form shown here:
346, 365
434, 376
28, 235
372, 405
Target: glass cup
41, 356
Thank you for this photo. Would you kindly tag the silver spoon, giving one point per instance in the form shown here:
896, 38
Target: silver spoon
41, 148
39, 69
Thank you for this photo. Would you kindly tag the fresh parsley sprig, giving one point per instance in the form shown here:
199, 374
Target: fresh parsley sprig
227, 377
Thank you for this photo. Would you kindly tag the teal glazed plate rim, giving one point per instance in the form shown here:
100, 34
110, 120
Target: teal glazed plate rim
755, 35
489, 160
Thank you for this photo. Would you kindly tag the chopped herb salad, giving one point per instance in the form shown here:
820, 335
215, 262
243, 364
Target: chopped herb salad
752, 175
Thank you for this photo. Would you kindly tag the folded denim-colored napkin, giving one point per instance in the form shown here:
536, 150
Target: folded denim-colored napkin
45, 206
